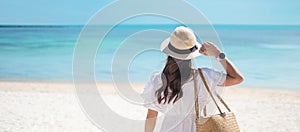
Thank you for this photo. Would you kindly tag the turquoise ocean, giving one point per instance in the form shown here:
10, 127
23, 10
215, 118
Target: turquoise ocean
268, 56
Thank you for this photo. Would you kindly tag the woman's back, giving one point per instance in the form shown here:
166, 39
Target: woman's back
180, 116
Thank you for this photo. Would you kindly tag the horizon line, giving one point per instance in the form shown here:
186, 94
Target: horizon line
70, 25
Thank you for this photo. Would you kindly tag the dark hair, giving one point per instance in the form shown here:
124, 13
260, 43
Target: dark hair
175, 73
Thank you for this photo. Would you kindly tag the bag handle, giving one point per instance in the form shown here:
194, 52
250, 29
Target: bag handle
219, 97
196, 95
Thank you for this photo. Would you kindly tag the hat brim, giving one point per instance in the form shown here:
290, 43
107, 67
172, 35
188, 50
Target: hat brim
164, 48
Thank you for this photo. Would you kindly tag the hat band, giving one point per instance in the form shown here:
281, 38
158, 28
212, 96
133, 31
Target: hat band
185, 51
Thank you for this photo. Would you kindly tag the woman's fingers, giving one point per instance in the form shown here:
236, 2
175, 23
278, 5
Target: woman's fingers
208, 44
202, 49
204, 53
208, 49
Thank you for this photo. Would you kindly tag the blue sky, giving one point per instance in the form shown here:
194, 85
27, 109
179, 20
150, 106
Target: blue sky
77, 12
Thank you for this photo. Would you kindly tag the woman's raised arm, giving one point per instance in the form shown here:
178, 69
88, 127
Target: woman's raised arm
233, 75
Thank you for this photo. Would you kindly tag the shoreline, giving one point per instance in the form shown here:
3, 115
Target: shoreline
136, 85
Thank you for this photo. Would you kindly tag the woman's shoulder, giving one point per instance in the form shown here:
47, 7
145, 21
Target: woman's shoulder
155, 77
217, 76
209, 70
206, 69
153, 83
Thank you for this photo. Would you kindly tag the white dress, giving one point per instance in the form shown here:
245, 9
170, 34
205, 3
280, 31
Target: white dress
180, 116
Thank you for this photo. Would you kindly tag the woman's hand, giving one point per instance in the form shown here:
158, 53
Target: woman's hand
233, 75
209, 49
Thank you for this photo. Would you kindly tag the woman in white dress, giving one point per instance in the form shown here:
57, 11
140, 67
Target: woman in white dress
171, 91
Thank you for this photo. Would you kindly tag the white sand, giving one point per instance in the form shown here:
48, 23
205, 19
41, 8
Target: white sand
37, 106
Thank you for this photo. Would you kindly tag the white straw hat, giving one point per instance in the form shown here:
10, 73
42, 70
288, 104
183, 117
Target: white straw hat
182, 44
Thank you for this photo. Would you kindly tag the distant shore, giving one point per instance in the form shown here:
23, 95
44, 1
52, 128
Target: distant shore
44, 106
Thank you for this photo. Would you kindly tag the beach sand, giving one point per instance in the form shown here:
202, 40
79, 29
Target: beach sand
53, 106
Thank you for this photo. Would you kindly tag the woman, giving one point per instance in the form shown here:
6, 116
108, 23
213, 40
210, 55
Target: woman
171, 91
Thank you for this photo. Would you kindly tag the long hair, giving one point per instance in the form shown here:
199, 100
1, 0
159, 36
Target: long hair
175, 73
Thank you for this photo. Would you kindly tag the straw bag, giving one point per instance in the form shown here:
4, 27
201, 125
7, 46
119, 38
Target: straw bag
223, 122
